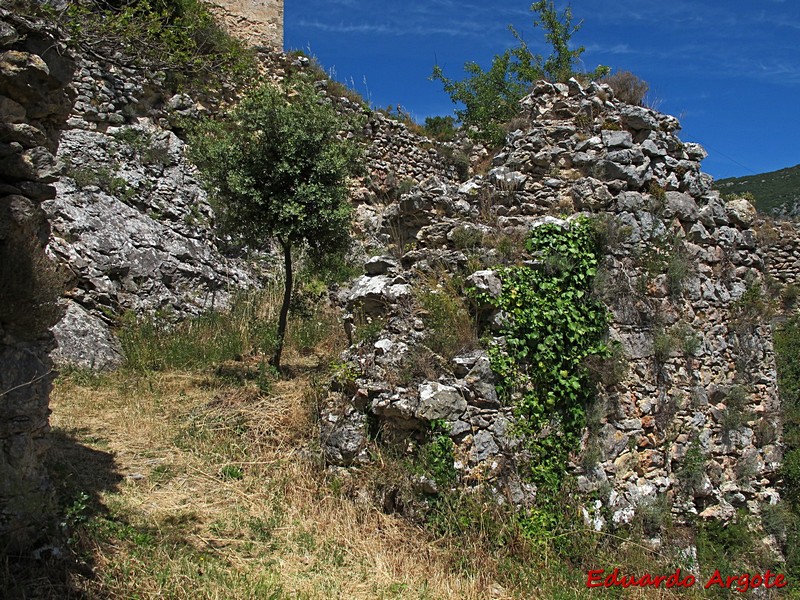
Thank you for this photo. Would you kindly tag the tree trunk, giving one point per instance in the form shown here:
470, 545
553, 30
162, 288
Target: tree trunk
287, 298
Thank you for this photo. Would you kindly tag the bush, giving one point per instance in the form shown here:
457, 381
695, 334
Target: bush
457, 159
440, 128
692, 469
663, 346
627, 87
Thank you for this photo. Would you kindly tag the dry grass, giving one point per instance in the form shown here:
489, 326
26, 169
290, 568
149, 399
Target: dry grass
219, 494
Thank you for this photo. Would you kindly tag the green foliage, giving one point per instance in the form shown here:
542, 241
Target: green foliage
278, 166
104, 178
692, 468
658, 193
733, 547
440, 128
736, 412
231, 472
787, 359
142, 143
457, 159
467, 238
451, 328
278, 169
688, 341
490, 98
552, 325
790, 296
752, 308
436, 459
179, 36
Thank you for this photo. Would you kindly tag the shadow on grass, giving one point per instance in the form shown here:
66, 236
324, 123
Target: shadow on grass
61, 560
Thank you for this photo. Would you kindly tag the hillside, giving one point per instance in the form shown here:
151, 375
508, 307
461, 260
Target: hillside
775, 192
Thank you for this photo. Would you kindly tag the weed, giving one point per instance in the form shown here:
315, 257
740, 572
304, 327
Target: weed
609, 235
467, 238
736, 413
142, 143
692, 470
686, 339
231, 472
451, 328
679, 269
608, 370
752, 308
746, 470
367, 328
32, 284
104, 178
658, 195
457, 159
154, 343
435, 458
654, 516
663, 347
790, 295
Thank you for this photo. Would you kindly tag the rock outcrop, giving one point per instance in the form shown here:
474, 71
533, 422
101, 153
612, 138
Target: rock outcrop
130, 217
694, 419
35, 70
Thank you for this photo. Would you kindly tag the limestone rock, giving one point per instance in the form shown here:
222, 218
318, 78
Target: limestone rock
85, 341
440, 402
740, 212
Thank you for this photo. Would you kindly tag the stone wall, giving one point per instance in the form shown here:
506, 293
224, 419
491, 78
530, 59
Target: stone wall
258, 22
700, 379
780, 249
35, 69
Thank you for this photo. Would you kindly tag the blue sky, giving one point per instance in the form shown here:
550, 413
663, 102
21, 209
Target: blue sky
728, 69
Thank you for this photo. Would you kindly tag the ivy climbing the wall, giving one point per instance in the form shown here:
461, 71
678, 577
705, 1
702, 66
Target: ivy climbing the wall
551, 324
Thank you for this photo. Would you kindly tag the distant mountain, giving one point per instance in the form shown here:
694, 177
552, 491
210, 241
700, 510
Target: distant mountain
777, 192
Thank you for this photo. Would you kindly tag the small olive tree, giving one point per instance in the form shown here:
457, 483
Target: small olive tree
277, 166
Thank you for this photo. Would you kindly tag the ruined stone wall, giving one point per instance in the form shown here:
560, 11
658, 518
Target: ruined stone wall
780, 249
258, 22
694, 420
35, 70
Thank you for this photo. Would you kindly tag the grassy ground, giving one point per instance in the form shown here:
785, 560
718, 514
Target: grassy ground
206, 482
219, 495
